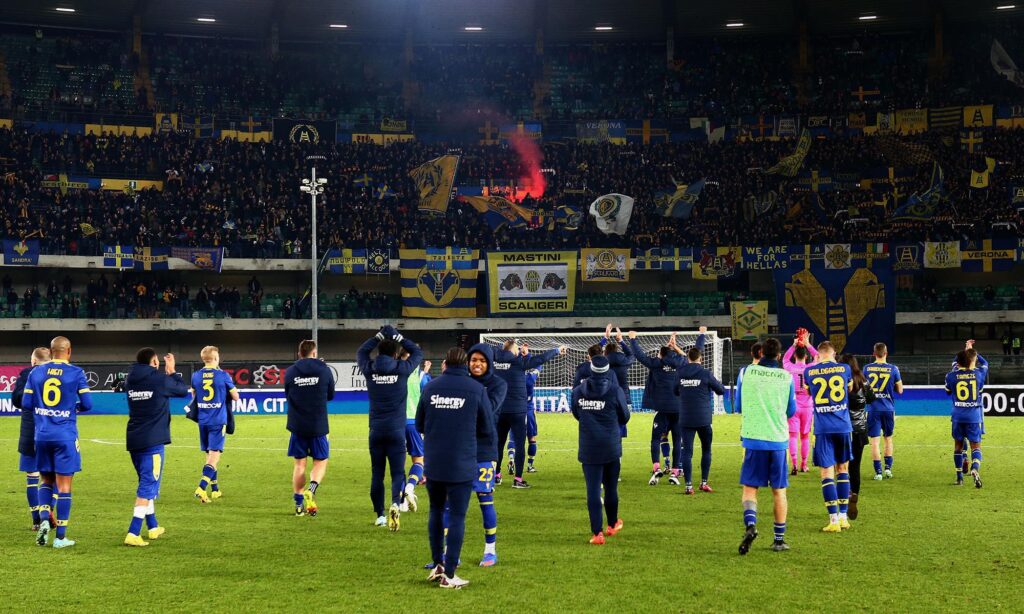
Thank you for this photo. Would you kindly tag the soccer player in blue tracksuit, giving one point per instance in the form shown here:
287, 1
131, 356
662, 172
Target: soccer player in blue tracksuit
387, 382
695, 387
828, 383
531, 418
26, 439
455, 418
149, 429
481, 360
55, 392
620, 359
885, 382
213, 389
965, 384
308, 385
512, 366
660, 395
600, 407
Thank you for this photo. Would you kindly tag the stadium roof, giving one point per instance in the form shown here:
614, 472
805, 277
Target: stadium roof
442, 21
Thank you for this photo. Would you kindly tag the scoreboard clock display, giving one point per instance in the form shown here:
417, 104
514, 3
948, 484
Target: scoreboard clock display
1003, 400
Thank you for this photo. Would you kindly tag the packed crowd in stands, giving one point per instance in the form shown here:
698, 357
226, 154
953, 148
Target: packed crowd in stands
244, 196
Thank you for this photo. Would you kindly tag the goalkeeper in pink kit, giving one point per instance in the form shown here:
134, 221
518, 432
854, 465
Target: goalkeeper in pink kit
796, 359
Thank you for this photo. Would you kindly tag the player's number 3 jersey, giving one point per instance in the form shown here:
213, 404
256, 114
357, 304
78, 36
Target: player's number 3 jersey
53, 391
828, 384
212, 386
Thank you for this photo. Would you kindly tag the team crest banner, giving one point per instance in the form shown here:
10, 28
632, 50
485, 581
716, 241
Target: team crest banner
305, 130
604, 264
439, 282
853, 307
749, 319
716, 262
21, 253
206, 258
531, 282
942, 255
907, 258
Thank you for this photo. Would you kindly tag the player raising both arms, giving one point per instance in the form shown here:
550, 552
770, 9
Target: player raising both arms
149, 391
26, 438
965, 384
620, 359
511, 366
532, 375
212, 388
797, 357
308, 385
886, 382
829, 383
661, 396
387, 383
56, 391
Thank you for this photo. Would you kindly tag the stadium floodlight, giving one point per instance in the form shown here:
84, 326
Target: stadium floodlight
339, 26
868, 17
1005, 7
206, 19
314, 186
473, 29
603, 28
64, 9
734, 24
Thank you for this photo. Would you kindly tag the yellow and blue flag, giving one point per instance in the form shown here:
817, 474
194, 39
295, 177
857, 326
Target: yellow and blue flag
119, 256
679, 204
982, 178
434, 181
988, 255
498, 211
151, 258
345, 261
439, 282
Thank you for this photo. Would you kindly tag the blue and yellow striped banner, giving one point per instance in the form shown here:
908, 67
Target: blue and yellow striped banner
439, 282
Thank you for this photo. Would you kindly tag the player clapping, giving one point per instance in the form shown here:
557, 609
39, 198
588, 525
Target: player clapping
965, 384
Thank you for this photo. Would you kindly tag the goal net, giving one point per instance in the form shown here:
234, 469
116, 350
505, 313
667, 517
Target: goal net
554, 384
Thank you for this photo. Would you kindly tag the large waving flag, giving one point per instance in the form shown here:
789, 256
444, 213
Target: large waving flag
498, 211
434, 181
439, 282
612, 213
927, 204
679, 204
790, 165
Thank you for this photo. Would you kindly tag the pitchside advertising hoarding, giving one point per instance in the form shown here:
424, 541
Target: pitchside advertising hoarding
350, 398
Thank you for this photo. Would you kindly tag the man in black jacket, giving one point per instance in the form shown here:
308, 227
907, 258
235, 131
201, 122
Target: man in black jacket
387, 383
454, 416
27, 438
512, 366
600, 407
308, 385
149, 429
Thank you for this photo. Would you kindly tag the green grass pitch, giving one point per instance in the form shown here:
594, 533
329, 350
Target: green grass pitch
920, 544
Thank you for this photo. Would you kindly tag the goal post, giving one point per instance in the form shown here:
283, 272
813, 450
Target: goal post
554, 383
